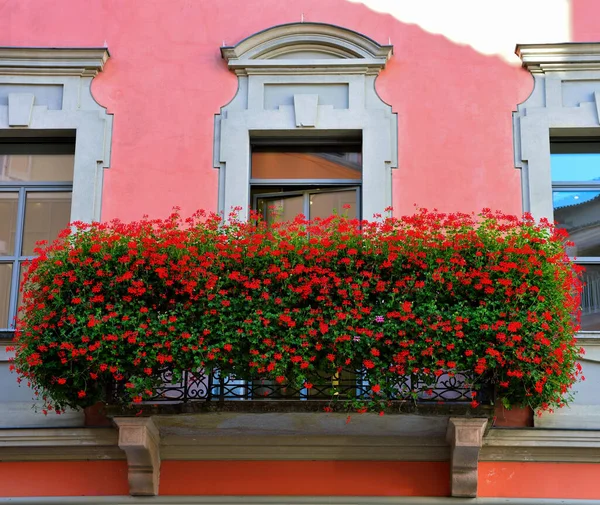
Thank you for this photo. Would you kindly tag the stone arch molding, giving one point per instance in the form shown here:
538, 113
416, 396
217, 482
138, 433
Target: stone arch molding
306, 79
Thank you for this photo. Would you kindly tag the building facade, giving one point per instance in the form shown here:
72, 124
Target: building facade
115, 110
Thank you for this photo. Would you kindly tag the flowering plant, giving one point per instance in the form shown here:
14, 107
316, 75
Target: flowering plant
491, 296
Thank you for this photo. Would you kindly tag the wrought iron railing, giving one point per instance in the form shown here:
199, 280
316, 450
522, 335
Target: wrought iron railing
198, 386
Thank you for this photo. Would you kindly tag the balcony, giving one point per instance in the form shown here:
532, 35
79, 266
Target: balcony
432, 310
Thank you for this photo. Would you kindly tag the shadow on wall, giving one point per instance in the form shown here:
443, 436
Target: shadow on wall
165, 80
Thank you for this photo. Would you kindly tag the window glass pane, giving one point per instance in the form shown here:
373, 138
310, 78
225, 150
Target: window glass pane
305, 165
590, 299
579, 213
5, 281
36, 167
8, 222
325, 204
583, 167
46, 214
281, 209
22, 269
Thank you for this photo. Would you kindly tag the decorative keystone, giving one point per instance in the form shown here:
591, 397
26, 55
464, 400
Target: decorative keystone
305, 109
465, 436
20, 106
140, 439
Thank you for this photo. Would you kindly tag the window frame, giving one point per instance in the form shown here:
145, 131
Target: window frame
17, 260
563, 74
575, 185
569, 145
350, 65
46, 92
306, 193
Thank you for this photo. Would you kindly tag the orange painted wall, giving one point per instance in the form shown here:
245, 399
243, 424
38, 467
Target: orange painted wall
166, 80
63, 478
308, 478
584, 21
539, 480
315, 478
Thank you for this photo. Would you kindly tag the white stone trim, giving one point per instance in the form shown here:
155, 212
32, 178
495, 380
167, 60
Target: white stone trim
73, 70
4, 354
82, 62
552, 445
544, 58
570, 73
352, 61
28, 414
339, 48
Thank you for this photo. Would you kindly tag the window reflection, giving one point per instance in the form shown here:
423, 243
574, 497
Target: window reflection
281, 209
46, 214
38, 167
323, 205
590, 299
5, 282
580, 167
8, 222
579, 213
305, 165
35, 204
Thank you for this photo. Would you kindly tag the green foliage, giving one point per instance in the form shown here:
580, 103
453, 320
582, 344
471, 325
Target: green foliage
490, 296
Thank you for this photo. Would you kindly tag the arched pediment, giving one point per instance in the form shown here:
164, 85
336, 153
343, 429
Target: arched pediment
306, 80
298, 47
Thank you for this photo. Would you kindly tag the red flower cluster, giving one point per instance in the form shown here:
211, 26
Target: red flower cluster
492, 296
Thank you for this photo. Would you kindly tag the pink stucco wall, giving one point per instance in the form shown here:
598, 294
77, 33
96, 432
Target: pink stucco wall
166, 80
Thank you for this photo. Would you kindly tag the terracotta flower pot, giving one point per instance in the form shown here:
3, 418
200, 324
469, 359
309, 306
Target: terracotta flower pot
95, 416
515, 417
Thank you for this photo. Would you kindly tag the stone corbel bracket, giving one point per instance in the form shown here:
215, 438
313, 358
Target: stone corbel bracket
139, 438
465, 436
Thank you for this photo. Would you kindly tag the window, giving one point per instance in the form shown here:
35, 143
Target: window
557, 147
575, 170
556, 137
54, 145
306, 130
36, 180
316, 180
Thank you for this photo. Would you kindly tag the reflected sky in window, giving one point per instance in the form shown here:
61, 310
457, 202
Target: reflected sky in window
567, 198
584, 167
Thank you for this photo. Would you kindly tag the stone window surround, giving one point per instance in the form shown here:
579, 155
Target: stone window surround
26, 105
71, 69
563, 74
565, 101
306, 56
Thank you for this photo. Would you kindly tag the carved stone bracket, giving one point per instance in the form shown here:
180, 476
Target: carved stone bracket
465, 436
140, 439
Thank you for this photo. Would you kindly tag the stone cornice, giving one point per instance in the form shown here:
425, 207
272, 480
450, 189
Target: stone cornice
582, 446
280, 50
59, 444
82, 62
568, 56
527, 445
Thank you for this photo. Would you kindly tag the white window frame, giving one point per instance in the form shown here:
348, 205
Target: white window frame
31, 70
305, 61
